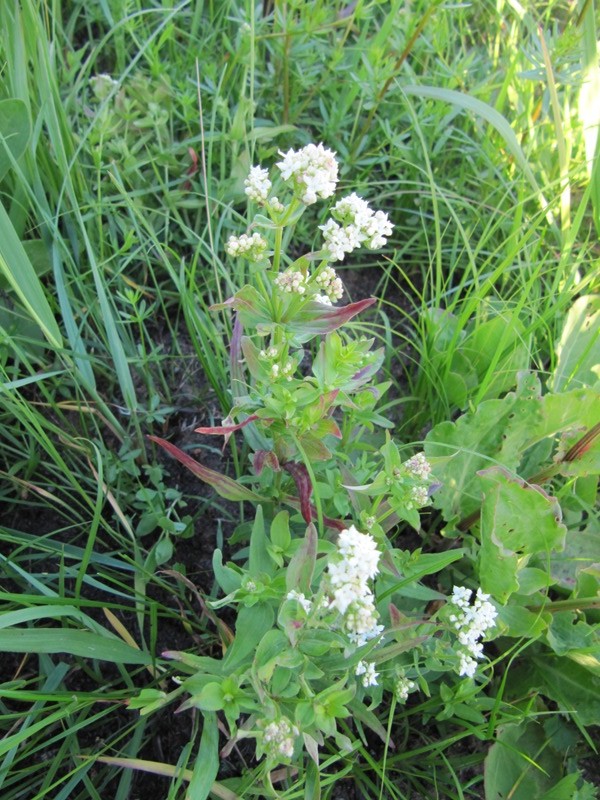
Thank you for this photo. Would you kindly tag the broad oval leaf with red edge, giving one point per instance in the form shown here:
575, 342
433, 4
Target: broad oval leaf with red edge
315, 318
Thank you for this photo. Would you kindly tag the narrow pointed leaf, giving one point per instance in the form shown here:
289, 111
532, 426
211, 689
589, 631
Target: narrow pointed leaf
224, 486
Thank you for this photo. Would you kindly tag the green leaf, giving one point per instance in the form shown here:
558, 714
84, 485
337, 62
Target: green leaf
207, 761
251, 625
489, 114
520, 765
20, 274
582, 550
15, 130
210, 697
259, 561
574, 688
77, 643
517, 520
579, 347
280, 530
302, 565
228, 579
500, 432
520, 622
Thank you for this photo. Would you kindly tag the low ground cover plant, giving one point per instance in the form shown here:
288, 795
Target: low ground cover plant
299, 428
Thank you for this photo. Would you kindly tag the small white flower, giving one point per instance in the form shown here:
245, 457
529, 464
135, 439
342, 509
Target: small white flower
313, 170
367, 670
258, 185
348, 574
323, 299
340, 241
471, 623
291, 281
275, 370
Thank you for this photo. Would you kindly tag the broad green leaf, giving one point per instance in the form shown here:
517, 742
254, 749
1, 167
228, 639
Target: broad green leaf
517, 520
16, 267
228, 579
579, 347
301, 567
280, 530
77, 643
259, 561
520, 622
15, 130
573, 687
251, 625
500, 432
582, 550
520, 764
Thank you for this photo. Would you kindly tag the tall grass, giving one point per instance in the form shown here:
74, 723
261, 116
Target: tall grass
461, 120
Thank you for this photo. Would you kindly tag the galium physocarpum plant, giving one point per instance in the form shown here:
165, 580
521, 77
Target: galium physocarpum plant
304, 419
313, 637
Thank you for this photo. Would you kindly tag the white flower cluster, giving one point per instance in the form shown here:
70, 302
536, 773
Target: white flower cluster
338, 240
278, 739
359, 225
258, 185
348, 577
418, 466
323, 299
403, 688
291, 281
332, 286
471, 623
313, 170
419, 495
367, 670
252, 247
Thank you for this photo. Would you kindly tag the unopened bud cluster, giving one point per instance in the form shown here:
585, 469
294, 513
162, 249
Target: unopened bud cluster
403, 688
252, 247
278, 739
329, 283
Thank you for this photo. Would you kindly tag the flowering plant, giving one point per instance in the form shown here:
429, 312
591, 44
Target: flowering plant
326, 622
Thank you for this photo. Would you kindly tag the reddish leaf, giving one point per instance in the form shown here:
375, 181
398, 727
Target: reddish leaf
265, 457
226, 430
226, 487
316, 318
302, 480
335, 524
